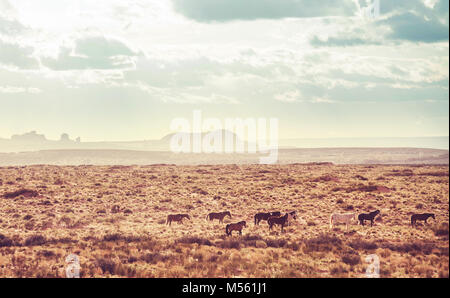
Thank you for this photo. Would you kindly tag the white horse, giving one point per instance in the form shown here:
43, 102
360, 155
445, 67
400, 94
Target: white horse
342, 218
292, 216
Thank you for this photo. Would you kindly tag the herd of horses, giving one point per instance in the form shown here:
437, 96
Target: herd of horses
348, 217
276, 218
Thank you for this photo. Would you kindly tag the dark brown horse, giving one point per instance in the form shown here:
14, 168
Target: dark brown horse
265, 216
368, 216
235, 227
220, 216
176, 217
281, 220
423, 216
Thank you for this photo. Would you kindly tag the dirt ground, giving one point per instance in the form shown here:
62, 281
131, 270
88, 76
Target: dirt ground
113, 219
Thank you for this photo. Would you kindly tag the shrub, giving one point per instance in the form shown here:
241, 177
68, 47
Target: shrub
112, 237
230, 244
35, 240
276, 243
351, 259
106, 265
153, 258
361, 244
198, 240
22, 192
5, 241
442, 230
322, 242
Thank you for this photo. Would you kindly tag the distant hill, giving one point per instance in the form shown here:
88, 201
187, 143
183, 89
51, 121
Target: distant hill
132, 157
33, 141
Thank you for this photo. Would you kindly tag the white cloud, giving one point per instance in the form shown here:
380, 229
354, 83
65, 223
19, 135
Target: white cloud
13, 89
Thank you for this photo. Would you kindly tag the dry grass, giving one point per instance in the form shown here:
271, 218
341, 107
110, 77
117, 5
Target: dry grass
113, 218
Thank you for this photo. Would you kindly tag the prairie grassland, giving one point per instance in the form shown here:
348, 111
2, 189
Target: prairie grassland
113, 218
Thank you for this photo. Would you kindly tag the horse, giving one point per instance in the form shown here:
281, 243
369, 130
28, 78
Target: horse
220, 216
342, 218
235, 227
176, 217
423, 216
368, 216
281, 220
265, 216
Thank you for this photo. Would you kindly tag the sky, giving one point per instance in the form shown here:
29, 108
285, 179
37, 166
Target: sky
121, 70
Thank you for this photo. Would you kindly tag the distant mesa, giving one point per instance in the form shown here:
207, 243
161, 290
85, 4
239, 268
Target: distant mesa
29, 137
33, 136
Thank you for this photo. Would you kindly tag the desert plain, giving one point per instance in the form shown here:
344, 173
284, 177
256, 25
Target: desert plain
113, 218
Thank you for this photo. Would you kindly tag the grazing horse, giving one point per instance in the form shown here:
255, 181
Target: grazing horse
235, 227
423, 216
220, 216
343, 218
281, 220
265, 216
368, 216
176, 217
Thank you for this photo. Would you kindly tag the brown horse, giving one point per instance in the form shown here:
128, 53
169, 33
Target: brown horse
235, 227
423, 216
282, 220
176, 217
368, 216
265, 216
220, 216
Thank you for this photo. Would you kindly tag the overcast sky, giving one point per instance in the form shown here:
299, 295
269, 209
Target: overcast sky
122, 70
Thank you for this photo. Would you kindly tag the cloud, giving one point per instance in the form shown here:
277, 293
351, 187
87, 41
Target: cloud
13, 89
10, 26
342, 42
400, 21
92, 53
230, 10
15, 55
5, 6
290, 96
415, 28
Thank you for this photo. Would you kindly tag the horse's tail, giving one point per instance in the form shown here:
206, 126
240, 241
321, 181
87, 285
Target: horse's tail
331, 221
226, 229
167, 221
207, 217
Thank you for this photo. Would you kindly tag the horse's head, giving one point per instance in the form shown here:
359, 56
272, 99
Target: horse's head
243, 223
432, 215
228, 213
377, 212
187, 216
